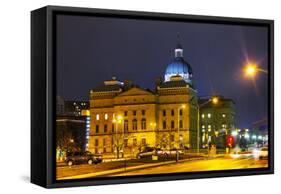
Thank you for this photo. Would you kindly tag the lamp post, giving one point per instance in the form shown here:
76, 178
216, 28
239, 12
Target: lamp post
180, 108
117, 121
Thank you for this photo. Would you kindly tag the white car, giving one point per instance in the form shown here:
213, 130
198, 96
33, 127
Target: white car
263, 152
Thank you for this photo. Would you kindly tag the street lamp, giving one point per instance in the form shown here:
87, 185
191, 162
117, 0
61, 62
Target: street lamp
251, 69
116, 121
179, 139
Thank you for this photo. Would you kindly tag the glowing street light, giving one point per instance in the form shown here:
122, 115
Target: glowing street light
215, 100
250, 70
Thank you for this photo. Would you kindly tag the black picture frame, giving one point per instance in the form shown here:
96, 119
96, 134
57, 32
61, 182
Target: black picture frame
43, 95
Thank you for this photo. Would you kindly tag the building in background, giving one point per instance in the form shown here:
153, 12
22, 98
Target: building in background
72, 126
217, 121
259, 132
126, 118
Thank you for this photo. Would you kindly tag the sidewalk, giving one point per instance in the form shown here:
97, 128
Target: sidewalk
132, 168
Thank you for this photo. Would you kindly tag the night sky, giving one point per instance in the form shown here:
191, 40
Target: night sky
93, 49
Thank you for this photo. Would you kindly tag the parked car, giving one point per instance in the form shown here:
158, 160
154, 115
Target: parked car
263, 152
82, 157
172, 152
148, 152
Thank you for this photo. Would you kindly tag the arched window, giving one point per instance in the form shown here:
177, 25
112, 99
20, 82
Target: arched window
126, 125
172, 124
164, 125
143, 124
181, 126
135, 124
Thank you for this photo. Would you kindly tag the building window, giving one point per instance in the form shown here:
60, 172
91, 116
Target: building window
164, 113
203, 116
105, 116
143, 124
104, 142
172, 138
172, 112
180, 112
209, 128
135, 142
223, 115
97, 128
143, 141
112, 128
126, 128
125, 113
97, 117
180, 124
125, 142
134, 112
164, 125
209, 115
135, 124
203, 126
105, 128
223, 126
143, 112
96, 142
172, 124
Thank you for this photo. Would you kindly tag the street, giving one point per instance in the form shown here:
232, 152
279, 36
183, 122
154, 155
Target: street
139, 167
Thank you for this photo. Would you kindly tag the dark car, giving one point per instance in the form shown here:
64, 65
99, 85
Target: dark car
82, 157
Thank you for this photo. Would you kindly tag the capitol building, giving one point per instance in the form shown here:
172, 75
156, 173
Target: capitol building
125, 118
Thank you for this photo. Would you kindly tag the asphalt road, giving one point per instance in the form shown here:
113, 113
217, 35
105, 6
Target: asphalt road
141, 168
224, 163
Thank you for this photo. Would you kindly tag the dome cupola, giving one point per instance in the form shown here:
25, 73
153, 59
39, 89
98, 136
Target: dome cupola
179, 66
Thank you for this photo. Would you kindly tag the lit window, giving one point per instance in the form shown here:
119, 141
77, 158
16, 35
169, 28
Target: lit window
97, 117
223, 115
203, 126
135, 124
106, 116
209, 115
209, 128
203, 116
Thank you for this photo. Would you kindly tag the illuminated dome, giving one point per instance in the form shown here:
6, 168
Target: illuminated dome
179, 67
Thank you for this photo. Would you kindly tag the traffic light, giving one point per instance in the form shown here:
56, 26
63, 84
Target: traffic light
230, 141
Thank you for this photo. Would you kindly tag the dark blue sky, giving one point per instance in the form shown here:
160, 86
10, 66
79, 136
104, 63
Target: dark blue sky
92, 49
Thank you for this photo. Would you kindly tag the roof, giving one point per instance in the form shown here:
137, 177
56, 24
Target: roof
178, 66
107, 88
173, 84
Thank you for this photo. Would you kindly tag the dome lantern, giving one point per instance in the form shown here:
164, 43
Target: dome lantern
179, 67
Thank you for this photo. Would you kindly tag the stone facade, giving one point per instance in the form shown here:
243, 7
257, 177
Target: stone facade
126, 118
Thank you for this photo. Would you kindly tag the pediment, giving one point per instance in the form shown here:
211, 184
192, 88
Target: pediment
136, 92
